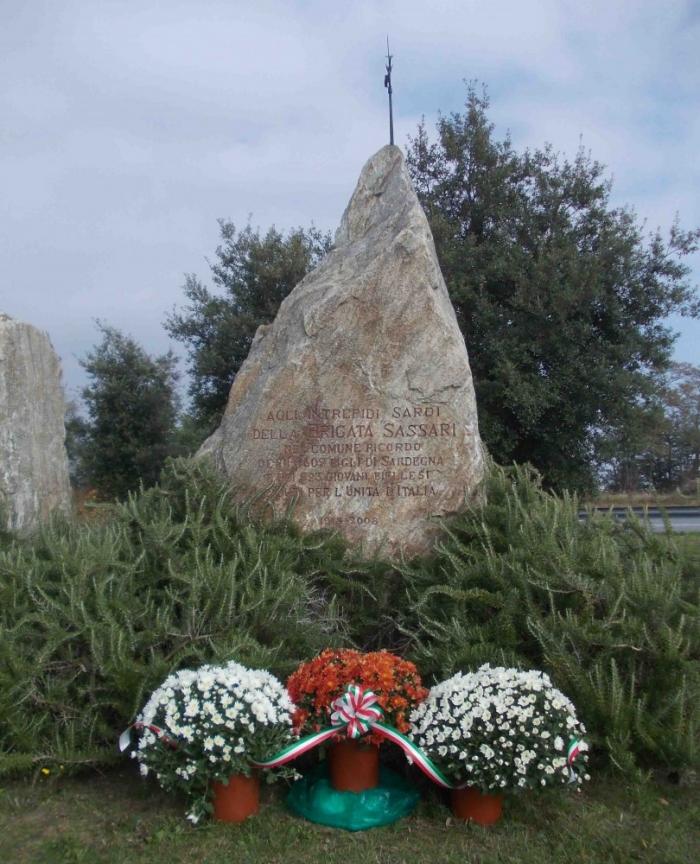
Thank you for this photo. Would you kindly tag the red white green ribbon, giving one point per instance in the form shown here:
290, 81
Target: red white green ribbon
125, 737
358, 711
572, 752
296, 749
415, 755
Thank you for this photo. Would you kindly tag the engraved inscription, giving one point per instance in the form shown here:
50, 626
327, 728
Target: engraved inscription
356, 452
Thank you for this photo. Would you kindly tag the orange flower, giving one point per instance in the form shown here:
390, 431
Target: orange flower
316, 683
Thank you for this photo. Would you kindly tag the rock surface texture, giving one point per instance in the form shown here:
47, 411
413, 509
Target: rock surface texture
357, 402
33, 462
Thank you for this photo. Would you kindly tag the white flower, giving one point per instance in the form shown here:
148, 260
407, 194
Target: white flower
487, 751
497, 723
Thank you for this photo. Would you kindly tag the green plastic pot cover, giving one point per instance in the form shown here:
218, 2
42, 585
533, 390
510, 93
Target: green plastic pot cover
315, 799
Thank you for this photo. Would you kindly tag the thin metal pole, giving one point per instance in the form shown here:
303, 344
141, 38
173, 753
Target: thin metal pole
387, 84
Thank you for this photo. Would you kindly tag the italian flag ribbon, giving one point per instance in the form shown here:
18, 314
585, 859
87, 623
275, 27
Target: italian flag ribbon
358, 712
357, 709
125, 737
572, 751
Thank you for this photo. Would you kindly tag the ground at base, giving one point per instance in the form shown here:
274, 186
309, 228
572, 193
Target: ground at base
117, 817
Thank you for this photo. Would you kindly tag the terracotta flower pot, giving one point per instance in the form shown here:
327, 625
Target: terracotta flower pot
354, 766
471, 804
237, 800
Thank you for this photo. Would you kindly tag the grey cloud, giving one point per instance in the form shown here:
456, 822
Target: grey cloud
129, 127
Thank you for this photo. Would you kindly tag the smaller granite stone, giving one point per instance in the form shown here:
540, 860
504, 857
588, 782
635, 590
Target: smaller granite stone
33, 462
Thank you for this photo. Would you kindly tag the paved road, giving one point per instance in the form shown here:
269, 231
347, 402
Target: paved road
683, 519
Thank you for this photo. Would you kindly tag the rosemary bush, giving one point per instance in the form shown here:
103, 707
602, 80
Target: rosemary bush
610, 611
94, 615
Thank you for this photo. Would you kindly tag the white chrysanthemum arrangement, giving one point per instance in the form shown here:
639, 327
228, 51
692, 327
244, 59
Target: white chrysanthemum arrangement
207, 724
499, 729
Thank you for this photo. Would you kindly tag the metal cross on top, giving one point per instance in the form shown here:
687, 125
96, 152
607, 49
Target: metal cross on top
387, 84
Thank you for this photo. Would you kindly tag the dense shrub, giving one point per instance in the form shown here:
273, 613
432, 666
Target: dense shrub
609, 610
94, 616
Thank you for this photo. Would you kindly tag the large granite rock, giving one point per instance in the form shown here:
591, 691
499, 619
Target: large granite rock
33, 462
357, 402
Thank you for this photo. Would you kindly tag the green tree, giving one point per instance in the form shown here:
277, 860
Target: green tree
131, 406
77, 430
561, 297
666, 455
253, 274
628, 454
681, 399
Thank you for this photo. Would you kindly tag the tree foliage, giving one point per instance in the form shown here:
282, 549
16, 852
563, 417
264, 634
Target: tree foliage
131, 408
253, 274
664, 455
560, 296
679, 462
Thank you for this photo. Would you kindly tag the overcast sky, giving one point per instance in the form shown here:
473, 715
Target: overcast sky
128, 128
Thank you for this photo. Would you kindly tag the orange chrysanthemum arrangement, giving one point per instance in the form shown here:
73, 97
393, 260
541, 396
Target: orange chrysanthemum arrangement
316, 683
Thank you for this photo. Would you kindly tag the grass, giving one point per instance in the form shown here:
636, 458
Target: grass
117, 817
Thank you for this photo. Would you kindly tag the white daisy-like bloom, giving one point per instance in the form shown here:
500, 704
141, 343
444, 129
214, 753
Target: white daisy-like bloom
212, 717
501, 727
192, 709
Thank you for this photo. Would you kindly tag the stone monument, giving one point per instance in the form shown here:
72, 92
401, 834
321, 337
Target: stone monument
33, 461
356, 405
